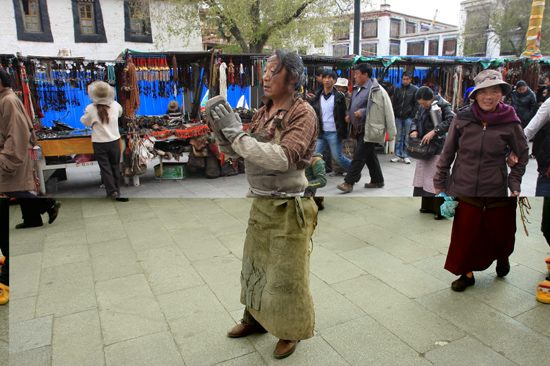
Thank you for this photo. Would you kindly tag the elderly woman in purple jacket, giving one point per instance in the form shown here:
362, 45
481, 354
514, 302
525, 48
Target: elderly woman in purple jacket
480, 137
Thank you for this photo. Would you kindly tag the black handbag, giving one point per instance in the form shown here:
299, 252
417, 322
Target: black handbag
420, 151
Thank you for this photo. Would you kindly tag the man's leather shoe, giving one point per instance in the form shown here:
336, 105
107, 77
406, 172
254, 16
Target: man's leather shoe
284, 348
374, 185
53, 212
25, 226
425, 210
345, 187
243, 329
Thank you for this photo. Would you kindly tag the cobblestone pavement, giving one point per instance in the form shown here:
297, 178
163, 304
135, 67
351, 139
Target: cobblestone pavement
84, 182
156, 282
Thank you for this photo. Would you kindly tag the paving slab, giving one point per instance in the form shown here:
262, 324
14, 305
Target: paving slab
453, 354
31, 334
153, 349
505, 335
145, 235
364, 341
418, 327
128, 309
330, 267
26, 272
325, 300
66, 289
537, 319
167, 270
199, 324
227, 287
35, 357
77, 340
402, 276
198, 243
113, 259
22, 309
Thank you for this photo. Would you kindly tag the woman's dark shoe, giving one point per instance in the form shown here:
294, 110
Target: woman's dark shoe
463, 282
244, 329
425, 210
284, 348
503, 269
438, 217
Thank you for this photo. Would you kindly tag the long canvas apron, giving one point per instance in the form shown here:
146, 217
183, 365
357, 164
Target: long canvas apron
275, 273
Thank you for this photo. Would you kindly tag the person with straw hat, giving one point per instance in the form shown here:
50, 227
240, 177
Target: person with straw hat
102, 116
479, 138
174, 110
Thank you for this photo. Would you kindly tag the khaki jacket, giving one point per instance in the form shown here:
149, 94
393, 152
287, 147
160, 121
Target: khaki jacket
16, 139
380, 116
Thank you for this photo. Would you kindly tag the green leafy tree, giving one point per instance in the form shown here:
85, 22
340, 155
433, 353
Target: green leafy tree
505, 22
251, 25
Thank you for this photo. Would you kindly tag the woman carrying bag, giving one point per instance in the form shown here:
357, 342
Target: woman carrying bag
102, 116
480, 137
430, 125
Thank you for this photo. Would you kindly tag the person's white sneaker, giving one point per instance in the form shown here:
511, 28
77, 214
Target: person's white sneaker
396, 160
407, 161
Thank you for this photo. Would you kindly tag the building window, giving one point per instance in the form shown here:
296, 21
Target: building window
411, 28
340, 50
137, 22
433, 48
395, 28
395, 49
368, 49
32, 20
475, 46
88, 22
415, 49
86, 11
369, 29
341, 31
449, 47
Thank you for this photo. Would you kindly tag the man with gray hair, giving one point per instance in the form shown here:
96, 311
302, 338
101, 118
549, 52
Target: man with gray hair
276, 150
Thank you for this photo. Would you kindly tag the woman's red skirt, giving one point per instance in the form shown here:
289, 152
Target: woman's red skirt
480, 236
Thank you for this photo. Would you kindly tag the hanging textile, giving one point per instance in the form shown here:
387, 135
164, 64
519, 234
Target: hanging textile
223, 80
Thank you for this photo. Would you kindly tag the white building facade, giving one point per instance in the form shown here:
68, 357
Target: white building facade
388, 33
92, 29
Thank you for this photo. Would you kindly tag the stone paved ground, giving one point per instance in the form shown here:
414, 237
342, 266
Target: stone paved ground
156, 282
84, 182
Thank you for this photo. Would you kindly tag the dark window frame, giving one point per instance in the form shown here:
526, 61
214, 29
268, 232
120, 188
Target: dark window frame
412, 46
394, 22
338, 46
395, 44
128, 36
375, 21
407, 27
340, 32
45, 35
99, 36
431, 45
370, 44
446, 43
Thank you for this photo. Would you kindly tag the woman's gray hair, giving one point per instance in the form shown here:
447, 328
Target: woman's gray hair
293, 64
